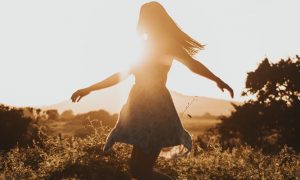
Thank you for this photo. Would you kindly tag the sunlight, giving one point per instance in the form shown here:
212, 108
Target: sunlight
86, 42
118, 89
135, 52
138, 47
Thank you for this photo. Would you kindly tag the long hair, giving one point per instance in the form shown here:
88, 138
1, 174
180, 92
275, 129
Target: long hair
155, 21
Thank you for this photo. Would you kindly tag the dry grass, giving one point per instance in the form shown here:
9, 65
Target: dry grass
83, 158
197, 126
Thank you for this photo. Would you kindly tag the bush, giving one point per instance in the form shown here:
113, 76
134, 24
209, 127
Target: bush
271, 119
18, 127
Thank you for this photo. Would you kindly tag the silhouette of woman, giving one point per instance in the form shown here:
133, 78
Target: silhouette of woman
148, 120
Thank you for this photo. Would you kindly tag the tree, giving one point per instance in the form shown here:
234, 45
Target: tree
52, 114
67, 114
16, 128
272, 118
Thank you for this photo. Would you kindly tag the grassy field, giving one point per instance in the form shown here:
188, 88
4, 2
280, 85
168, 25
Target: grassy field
83, 158
77, 154
195, 126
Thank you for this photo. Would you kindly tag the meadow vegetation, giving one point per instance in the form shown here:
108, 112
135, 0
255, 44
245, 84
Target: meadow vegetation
259, 140
83, 158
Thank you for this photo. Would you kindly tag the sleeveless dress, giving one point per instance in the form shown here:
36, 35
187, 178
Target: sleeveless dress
149, 119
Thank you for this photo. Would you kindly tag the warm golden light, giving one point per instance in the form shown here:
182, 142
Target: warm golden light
45, 57
149, 89
137, 47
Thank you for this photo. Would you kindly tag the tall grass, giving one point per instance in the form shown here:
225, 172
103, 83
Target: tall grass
83, 158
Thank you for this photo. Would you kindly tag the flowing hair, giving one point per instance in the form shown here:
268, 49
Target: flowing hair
155, 20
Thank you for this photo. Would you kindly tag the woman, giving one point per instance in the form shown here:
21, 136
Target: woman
148, 120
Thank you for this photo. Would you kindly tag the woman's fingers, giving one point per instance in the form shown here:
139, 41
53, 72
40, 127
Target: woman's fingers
231, 93
75, 96
223, 85
230, 90
74, 99
79, 98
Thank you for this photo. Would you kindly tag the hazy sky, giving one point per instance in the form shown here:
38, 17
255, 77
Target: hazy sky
48, 49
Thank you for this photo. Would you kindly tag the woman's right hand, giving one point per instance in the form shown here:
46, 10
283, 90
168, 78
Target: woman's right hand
76, 96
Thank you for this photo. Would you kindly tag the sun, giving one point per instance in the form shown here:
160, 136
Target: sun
139, 49
135, 52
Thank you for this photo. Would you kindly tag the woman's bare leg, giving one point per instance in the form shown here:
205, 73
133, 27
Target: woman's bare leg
141, 165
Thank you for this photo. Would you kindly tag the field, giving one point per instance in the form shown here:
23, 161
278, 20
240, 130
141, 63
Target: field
195, 126
71, 148
82, 158
69, 157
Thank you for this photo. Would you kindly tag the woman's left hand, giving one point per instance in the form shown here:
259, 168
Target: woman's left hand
76, 96
223, 86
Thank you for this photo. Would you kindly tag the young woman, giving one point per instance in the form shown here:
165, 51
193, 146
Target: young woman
148, 120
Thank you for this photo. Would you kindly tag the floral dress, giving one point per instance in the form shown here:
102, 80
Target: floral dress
149, 119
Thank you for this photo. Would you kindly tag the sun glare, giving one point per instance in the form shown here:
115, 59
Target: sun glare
139, 48
135, 52
134, 55
86, 42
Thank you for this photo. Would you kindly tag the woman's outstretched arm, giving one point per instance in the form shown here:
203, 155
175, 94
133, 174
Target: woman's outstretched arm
108, 82
198, 68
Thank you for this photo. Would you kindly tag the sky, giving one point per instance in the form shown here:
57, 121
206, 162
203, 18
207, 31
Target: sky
48, 49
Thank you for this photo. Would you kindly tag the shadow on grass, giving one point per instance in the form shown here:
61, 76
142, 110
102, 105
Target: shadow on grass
94, 169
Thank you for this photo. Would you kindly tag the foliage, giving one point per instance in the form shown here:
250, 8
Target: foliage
65, 158
271, 119
19, 126
91, 119
272, 82
23, 125
83, 158
104, 116
68, 114
52, 114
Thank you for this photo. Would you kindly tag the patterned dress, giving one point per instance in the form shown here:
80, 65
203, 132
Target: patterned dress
149, 119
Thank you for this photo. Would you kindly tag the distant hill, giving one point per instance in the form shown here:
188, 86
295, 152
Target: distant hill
112, 100
202, 106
